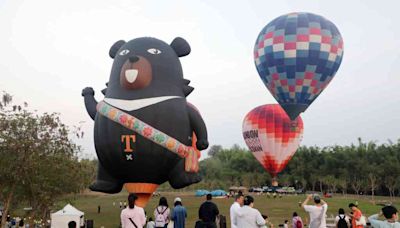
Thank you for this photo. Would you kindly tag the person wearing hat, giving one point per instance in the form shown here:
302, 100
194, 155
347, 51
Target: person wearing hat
179, 214
357, 219
391, 216
317, 211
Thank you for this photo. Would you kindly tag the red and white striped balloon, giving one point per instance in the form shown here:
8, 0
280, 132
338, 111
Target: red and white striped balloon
271, 136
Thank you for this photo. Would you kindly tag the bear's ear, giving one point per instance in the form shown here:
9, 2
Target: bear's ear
180, 46
114, 49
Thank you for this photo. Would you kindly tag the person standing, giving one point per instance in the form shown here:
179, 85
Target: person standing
286, 224
342, 220
391, 217
161, 213
357, 219
297, 222
150, 223
248, 217
133, 216
317, 211
208, 212
235, 209
179, 214
21, 223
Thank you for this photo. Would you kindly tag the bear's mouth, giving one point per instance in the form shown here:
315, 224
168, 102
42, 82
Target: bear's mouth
131, 105
131, 75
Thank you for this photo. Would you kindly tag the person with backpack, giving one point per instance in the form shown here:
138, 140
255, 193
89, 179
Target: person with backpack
133, 216
161, 213
297, 222
342, 220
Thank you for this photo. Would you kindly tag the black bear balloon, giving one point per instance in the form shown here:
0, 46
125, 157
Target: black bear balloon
145, 132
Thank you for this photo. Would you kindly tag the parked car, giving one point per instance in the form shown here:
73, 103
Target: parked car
255, 189
268, 189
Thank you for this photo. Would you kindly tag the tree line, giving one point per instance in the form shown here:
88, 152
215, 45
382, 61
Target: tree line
361, 168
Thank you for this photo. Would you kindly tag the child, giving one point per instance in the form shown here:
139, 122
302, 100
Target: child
285, 224
151, 223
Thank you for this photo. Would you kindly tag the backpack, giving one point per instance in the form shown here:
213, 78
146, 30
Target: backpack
160, 219
342, 222
299, 224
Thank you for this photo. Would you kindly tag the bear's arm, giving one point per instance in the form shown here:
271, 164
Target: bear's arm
199, 128
90, 102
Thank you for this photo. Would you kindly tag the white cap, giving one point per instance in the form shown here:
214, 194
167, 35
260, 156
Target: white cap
177, 199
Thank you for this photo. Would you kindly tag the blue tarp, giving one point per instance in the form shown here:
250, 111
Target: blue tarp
201, 192
218, 192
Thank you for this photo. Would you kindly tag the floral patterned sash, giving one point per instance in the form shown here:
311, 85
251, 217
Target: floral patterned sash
190, 153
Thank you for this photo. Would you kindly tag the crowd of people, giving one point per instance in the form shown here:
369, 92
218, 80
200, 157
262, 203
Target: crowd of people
134, 216
354, 219
243, 215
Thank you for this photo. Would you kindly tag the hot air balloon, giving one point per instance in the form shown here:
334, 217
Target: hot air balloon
296, 56
145, 132
271, 136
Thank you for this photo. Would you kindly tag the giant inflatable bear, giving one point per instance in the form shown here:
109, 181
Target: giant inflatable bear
143, 118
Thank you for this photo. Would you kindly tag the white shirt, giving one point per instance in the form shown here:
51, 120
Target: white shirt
151, 224
249, 217
136, 214
234, 213
317, 215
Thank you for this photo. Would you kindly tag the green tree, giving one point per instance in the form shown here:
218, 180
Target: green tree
214, 150
38, 161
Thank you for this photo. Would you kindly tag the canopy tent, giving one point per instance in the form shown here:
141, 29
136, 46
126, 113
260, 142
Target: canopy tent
61, 218
237, 189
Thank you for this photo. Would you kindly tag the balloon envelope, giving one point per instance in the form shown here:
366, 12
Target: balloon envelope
296, 56
271, 136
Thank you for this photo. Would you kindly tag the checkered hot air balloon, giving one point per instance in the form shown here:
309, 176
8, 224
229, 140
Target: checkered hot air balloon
296, 56
272, 136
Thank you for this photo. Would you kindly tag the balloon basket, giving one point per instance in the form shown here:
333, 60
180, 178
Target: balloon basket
144, 191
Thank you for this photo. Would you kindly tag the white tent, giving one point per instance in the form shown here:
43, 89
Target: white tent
61, 218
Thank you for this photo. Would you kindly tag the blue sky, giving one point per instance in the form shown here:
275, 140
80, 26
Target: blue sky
50, 50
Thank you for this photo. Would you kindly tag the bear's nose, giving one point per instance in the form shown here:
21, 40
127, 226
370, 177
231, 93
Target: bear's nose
133, 59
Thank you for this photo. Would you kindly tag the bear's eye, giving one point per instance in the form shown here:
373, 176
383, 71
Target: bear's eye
124, 52
154, 51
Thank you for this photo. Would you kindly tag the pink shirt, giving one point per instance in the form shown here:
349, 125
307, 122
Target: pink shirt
136, 214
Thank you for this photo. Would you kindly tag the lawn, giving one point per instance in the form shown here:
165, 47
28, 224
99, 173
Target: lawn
277, 209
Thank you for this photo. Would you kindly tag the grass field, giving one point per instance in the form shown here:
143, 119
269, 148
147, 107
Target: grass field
277, 209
